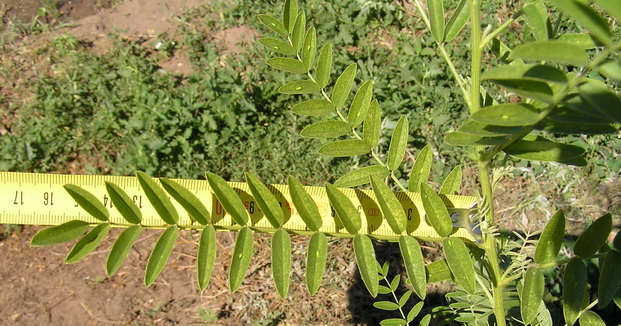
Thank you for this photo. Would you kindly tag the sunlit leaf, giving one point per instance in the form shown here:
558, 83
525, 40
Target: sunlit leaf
436, 211
574, 289
281, 261
460, 263
324, 65
274, 24
123, 203
415, 311
299, 31
533, 72
507, 115
294, 66
344, 148
436, 19
88, 243
551, 51
346, 211
438, 271
188, 200
541, 149
612, 70
88, 202
590, 318
551, 239
612, 7
537, 19
361, 176
367, 264
159, 255
316, 261
587, 17
326, 129
386, 305
610, 278
206, 256
303, 202
398, 144
594, 237
606, 102
581, 40
421, 169
360, 104
299, 87
228, 198
121, 248
467, 139
458, 20
290, 13
309, 49
158, 198
343, 85
372, 125
240, 260
278, 46
414, 264
452, 183
404, 298
391, 207
313, 108
532, 295
59, 234
266, 200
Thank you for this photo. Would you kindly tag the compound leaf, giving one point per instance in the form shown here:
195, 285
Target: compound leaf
121, 247
316, 261
532, 295
452, 183
157, 197
460, 263
610, 278
372, 125
594, 237
324, 65
326, 129
346, 211
88, 202
398, 144
574, 289
195, 208
414, 264
88, 243
242, 254
59, 234
206, 256
367, 264
281, 261
551, 239
436, 211
303, 202
361, 176
123, 203
360, 104
228, 198
299, 87
421, 169
294, 66
343, 85
266, 200
344, 148
551, 51
313, 108
159, 255
390, 205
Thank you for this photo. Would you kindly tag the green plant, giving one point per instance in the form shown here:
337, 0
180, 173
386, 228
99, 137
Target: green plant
560, 80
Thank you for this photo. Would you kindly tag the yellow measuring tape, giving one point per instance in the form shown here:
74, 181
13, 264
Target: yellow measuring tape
40, 199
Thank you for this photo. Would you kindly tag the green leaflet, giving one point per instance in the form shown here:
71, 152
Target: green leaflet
569, 114
304, 204
346, 211
436, 19
159, 255
290, 12
194, 206
421, 169
59, 234
390, 205
594, 237
266, 200
612, 70
313, 108
281, 261
531, 296
326, 129
344, 148
240, 260
124, 204
458, 20
438, 271
228, 198
541, 149
507, 115
436, 211
206, 256
610, 278
532, 72
551, 239
467, 139
299, 30
367, 264
452, 183
361, 176
581, 40
278, 46
343, 85
612, 7
414, 264
404, 298
386, 305
316, 261
415, 311
299, 87
551, 51
88, 243
587, 17
533, 89
360, 105
273, 24
158, 198
121, 247
309, 50
573, 128
460, 263
616, 242
590, 318
324, 66
537, 19
574, 289
398, 144
88, 202
607, 103
372, 125
294, 66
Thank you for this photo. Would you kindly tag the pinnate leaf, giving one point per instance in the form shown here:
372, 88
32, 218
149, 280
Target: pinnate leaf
345, 148
367, 264
343, 86
188, 200
398, 144
123, 203
206, 256
421, 169
414, 264
157, 197
551, 239
316, 261
266, 200
594, 237
159, 255
228, 198
294, 66
574, 289
532, 295
436, 211
452, 182
460, 263
240, 260
88, 243
121, 247
281, 261
324, 65
59, 234
346, 211
313, 108
390, 205
326, 129
303, 202
88, 202
361, 176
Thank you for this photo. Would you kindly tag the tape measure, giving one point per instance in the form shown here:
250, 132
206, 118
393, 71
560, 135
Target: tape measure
40, 199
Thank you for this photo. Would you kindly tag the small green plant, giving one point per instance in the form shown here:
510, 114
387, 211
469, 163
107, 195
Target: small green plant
563, 82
